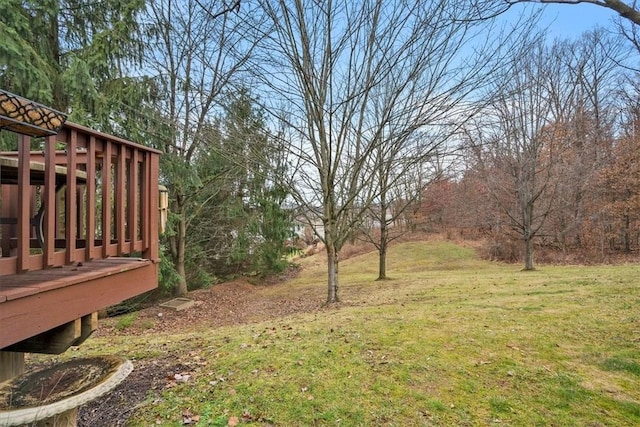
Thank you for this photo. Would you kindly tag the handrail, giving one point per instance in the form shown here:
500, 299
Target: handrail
97, 195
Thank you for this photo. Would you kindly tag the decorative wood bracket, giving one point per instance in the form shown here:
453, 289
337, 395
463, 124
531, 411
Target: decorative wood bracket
26, 117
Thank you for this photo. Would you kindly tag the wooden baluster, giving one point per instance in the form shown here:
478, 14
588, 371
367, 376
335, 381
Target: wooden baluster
8, 211
106, 199
24, 193
154, 176
91, 199
49, 201
146, 210
132, 199
120, 206
71, 206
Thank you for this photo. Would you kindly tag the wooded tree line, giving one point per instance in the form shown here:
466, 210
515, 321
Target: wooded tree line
552, 159
352, 112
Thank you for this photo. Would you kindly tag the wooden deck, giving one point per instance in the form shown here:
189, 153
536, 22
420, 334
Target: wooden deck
78, 233
31, 303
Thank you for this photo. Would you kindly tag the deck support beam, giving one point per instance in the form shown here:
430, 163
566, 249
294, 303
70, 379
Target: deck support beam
53, 341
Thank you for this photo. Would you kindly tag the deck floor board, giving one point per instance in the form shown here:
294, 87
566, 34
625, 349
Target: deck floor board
21, 285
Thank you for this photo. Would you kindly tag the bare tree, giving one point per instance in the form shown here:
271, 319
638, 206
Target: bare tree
618, 179
352, 78
517, 142
592, 75
402, 171
196, 56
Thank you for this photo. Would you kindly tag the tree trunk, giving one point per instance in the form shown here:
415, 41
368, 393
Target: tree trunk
332, 276
627, 234
382, 270
528, 233
528, 255
382, 250
180, 261
178, 248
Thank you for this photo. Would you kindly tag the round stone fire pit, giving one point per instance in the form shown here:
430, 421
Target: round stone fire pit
52, 396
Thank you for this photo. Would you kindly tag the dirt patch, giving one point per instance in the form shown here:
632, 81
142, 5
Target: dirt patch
148, 379
226, 304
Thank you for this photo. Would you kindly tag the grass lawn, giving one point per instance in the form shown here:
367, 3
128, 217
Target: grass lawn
450, 341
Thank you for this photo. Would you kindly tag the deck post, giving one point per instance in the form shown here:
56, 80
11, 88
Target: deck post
11, 364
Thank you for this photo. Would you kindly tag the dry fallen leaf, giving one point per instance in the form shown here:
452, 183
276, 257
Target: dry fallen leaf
233, 421
188, 418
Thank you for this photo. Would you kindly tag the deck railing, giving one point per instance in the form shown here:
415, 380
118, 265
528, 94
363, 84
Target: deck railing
85, 196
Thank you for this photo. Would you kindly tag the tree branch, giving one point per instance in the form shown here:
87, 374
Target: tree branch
623, 9
235, 6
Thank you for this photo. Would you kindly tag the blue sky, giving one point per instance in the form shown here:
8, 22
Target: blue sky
567, 20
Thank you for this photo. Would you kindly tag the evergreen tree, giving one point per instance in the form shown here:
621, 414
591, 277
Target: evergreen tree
74, 55
238, 221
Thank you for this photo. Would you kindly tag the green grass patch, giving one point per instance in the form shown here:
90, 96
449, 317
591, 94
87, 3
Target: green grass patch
451, 340
125, 321
622, 365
